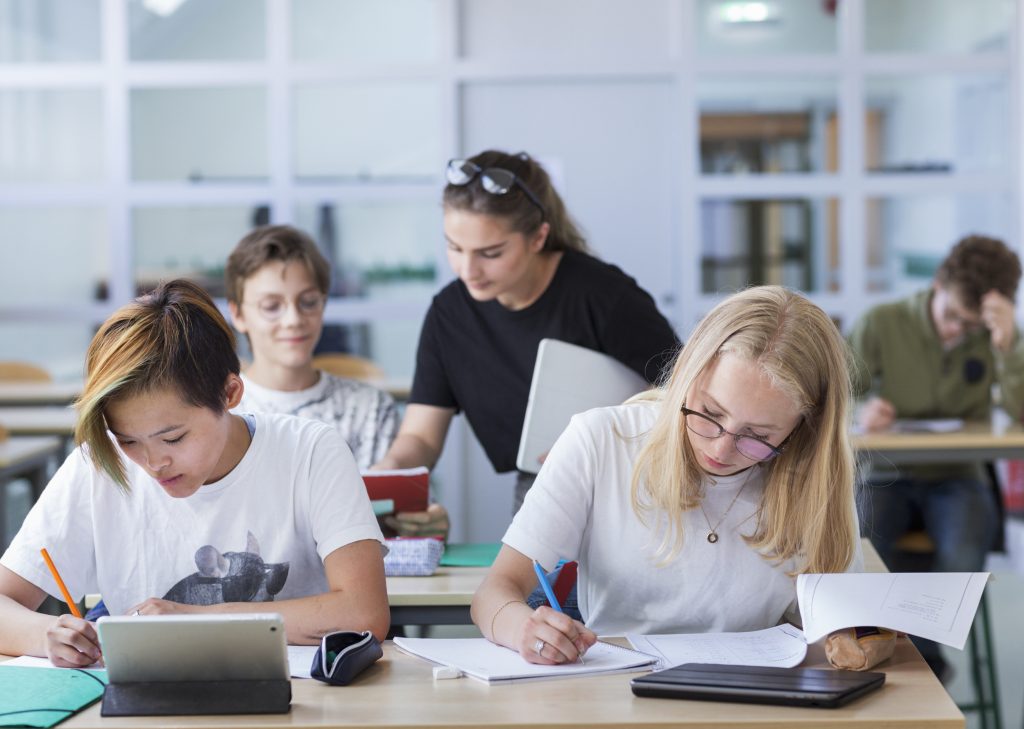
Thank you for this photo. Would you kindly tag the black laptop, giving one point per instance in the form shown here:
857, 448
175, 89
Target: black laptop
821, 687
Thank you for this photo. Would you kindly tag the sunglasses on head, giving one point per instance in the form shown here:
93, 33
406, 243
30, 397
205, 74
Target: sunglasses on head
495, 180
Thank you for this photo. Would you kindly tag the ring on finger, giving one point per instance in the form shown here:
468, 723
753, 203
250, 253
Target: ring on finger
538, 647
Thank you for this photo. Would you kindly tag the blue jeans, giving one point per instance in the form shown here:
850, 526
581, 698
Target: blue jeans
959, 516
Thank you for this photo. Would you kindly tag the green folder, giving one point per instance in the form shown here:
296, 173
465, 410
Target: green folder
470, 555
43, 697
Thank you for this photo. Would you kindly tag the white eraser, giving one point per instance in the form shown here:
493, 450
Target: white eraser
442, 672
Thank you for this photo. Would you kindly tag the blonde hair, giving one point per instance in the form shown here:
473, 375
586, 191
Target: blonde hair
173, 337
807, 509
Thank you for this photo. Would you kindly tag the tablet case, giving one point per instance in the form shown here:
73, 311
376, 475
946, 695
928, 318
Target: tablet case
820, 687
162, 665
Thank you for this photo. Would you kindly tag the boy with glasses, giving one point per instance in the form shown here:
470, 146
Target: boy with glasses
277, 283
938, 354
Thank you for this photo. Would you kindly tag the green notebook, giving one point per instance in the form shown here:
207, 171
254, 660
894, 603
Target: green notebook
42, 697
470, 555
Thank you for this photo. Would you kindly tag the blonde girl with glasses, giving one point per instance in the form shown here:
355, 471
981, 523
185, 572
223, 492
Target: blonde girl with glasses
171, 504
523, 273
692, 507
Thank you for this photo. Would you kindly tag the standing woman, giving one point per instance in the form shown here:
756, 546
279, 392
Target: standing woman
524, 274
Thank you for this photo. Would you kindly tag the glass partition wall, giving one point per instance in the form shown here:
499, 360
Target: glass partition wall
703, 145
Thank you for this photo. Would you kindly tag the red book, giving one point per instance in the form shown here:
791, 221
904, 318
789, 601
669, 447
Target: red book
409, 488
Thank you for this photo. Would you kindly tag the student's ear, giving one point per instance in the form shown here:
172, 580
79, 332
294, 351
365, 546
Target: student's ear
540, 238
237, 320
233, 390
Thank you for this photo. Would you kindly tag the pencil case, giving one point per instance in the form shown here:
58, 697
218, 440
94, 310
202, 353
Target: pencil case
343, 655
412, 556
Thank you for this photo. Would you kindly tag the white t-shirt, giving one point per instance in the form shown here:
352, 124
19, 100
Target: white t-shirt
579, 509
260, 533
366, 416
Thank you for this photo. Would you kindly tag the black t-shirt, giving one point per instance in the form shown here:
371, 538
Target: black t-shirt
478, 357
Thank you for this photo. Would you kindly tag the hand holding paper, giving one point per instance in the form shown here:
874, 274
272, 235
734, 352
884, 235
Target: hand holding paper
939, 606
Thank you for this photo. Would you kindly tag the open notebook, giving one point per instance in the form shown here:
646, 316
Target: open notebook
485, 661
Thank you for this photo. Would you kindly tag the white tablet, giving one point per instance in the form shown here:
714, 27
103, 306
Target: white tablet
569, 379
155, 648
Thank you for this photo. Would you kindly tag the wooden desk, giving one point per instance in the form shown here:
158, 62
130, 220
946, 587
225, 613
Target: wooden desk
39, 393
399, 691
975, 442
39, 420
29, 458
443, 598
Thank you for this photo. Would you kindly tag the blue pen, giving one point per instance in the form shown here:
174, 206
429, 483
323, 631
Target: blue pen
548, 592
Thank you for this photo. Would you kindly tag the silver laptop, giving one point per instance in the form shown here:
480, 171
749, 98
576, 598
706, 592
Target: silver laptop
156, 648
569, 379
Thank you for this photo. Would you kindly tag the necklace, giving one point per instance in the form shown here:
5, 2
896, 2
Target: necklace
713, 530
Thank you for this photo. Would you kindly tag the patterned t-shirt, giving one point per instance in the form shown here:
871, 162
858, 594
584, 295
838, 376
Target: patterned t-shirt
366, 417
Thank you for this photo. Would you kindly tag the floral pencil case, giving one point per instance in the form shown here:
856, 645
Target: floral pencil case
412, 556
343, 655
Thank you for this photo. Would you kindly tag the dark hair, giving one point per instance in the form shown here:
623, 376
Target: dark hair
273, 243
975, 266
173, 337
515, 207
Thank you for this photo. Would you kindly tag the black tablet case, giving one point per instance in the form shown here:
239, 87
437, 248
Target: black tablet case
821, 687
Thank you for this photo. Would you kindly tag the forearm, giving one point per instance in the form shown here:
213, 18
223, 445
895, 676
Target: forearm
409, 451
499, 610
23, 631
308, 619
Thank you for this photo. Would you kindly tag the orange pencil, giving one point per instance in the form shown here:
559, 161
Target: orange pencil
60, 583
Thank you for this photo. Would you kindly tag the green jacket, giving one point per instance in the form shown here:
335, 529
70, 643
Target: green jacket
898, 356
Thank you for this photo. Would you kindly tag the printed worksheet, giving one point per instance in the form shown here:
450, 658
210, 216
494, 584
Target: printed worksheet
783, 646
939, 606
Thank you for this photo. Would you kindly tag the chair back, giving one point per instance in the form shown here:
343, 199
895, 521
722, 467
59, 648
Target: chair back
13, 371
348, 365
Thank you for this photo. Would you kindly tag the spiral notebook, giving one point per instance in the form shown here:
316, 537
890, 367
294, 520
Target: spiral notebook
485, 661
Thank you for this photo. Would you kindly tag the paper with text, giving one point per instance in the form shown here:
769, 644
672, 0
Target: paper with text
939, 606
783, 646
486, 661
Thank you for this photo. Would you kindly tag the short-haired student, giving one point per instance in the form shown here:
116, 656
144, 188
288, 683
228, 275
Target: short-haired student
690, 508
277, 282
172, 504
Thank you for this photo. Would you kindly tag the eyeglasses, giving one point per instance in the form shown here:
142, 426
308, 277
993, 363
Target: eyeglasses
495, 180
273, 309
753, 448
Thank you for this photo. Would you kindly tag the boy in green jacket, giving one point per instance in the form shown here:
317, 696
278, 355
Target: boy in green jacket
940, 353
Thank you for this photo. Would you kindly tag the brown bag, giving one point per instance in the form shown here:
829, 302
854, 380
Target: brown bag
858, 649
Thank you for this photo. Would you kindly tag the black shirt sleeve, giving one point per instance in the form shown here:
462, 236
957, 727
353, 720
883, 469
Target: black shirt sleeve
430, 383
635, 333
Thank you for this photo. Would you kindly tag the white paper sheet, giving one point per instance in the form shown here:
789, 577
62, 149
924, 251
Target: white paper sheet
300, 660
934, 425
36, 662
782, 646
939, 606
486, 661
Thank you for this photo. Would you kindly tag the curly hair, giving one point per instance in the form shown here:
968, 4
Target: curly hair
978, 264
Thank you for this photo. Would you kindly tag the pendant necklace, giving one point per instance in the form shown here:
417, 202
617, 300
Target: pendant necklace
713, 530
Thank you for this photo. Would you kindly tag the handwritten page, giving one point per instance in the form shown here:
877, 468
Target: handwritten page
939, 606
782, 646
483, 660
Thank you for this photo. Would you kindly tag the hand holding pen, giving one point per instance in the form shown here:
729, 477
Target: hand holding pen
71, 641
550, 636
